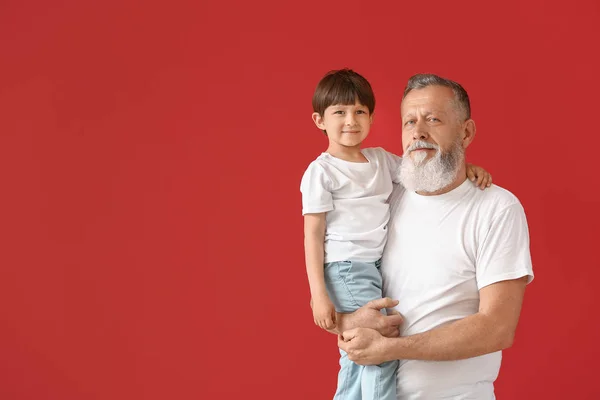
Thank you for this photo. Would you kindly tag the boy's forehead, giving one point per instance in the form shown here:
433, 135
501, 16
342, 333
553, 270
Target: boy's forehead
340, 105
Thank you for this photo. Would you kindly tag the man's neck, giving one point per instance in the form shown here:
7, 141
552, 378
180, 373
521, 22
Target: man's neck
461, 175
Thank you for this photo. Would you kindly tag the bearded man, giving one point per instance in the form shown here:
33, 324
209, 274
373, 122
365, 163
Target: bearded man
456, 262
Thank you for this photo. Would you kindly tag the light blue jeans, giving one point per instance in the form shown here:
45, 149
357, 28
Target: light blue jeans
350, 285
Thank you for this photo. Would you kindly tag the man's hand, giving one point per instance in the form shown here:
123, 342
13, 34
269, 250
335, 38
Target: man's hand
364, 346
370, 316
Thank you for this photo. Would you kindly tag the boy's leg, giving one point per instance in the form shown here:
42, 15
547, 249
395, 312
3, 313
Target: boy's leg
349, 380
378, 382
352, 284
349, 377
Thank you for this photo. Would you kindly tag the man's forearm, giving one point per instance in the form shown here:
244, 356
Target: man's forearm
469, 337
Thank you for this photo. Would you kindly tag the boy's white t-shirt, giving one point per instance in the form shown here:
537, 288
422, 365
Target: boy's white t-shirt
441, 250
355, 198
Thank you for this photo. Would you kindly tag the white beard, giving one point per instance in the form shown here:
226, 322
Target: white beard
435, 174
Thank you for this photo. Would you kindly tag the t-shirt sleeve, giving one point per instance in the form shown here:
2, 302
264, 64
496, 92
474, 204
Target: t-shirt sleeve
316, 190
504, 253
394, 163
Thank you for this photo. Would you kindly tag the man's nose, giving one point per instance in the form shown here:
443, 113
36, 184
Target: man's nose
420, 131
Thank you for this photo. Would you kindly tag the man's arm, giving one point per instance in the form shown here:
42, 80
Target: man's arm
491, 329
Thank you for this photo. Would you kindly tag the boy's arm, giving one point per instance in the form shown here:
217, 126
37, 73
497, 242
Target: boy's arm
314, 239
479, 176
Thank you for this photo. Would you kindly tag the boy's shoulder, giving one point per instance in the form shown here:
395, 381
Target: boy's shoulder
322, 160
374, 151
319, 166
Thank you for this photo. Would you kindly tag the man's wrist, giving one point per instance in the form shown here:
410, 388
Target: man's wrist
392, 348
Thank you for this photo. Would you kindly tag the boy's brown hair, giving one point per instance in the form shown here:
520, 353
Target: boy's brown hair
343, 87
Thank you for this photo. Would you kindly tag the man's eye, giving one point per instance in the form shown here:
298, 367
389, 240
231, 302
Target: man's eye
433, 119
409, 122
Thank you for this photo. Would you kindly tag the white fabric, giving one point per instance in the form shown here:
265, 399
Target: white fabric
441, 250
355, 198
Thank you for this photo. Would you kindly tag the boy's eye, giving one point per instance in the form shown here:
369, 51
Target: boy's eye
338, 112
361, 112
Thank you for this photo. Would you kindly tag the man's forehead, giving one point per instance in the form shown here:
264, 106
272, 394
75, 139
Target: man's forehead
423, 109
431, 99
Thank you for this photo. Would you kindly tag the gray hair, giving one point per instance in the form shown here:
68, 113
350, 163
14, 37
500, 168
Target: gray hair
461, 98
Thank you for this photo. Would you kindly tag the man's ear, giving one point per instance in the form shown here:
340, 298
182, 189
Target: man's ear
318, 120
468, 133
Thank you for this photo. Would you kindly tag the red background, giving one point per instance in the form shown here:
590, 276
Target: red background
150, 159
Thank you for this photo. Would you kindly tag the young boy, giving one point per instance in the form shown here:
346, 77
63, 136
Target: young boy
344, 203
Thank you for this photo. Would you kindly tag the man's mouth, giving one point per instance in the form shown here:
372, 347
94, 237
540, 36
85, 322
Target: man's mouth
422, 148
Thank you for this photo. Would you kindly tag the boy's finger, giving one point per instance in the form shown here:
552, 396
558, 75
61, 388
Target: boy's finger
330, 323
470, 174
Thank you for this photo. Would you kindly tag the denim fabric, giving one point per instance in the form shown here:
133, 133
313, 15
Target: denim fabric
350, 285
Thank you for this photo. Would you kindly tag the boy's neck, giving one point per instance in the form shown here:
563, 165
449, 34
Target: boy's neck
351, 154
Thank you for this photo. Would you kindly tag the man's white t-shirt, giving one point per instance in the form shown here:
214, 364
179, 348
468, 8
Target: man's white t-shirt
355, 198
440, 251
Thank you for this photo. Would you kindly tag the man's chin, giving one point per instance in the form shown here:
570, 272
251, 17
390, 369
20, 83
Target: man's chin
419, 160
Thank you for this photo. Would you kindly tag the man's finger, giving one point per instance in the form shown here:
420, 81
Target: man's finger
378, 304
349, 335
395, 319
341, 344
392, 332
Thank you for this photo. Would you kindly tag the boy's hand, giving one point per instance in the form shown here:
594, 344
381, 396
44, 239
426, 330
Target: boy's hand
479, 175
324, 313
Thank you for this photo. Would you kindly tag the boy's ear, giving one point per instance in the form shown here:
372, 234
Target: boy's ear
468, 133
318, 120
372, 116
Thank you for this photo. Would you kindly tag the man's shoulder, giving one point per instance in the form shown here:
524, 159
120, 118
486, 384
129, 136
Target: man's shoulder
496, 196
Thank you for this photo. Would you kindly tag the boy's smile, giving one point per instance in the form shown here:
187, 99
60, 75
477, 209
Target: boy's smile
346, 126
